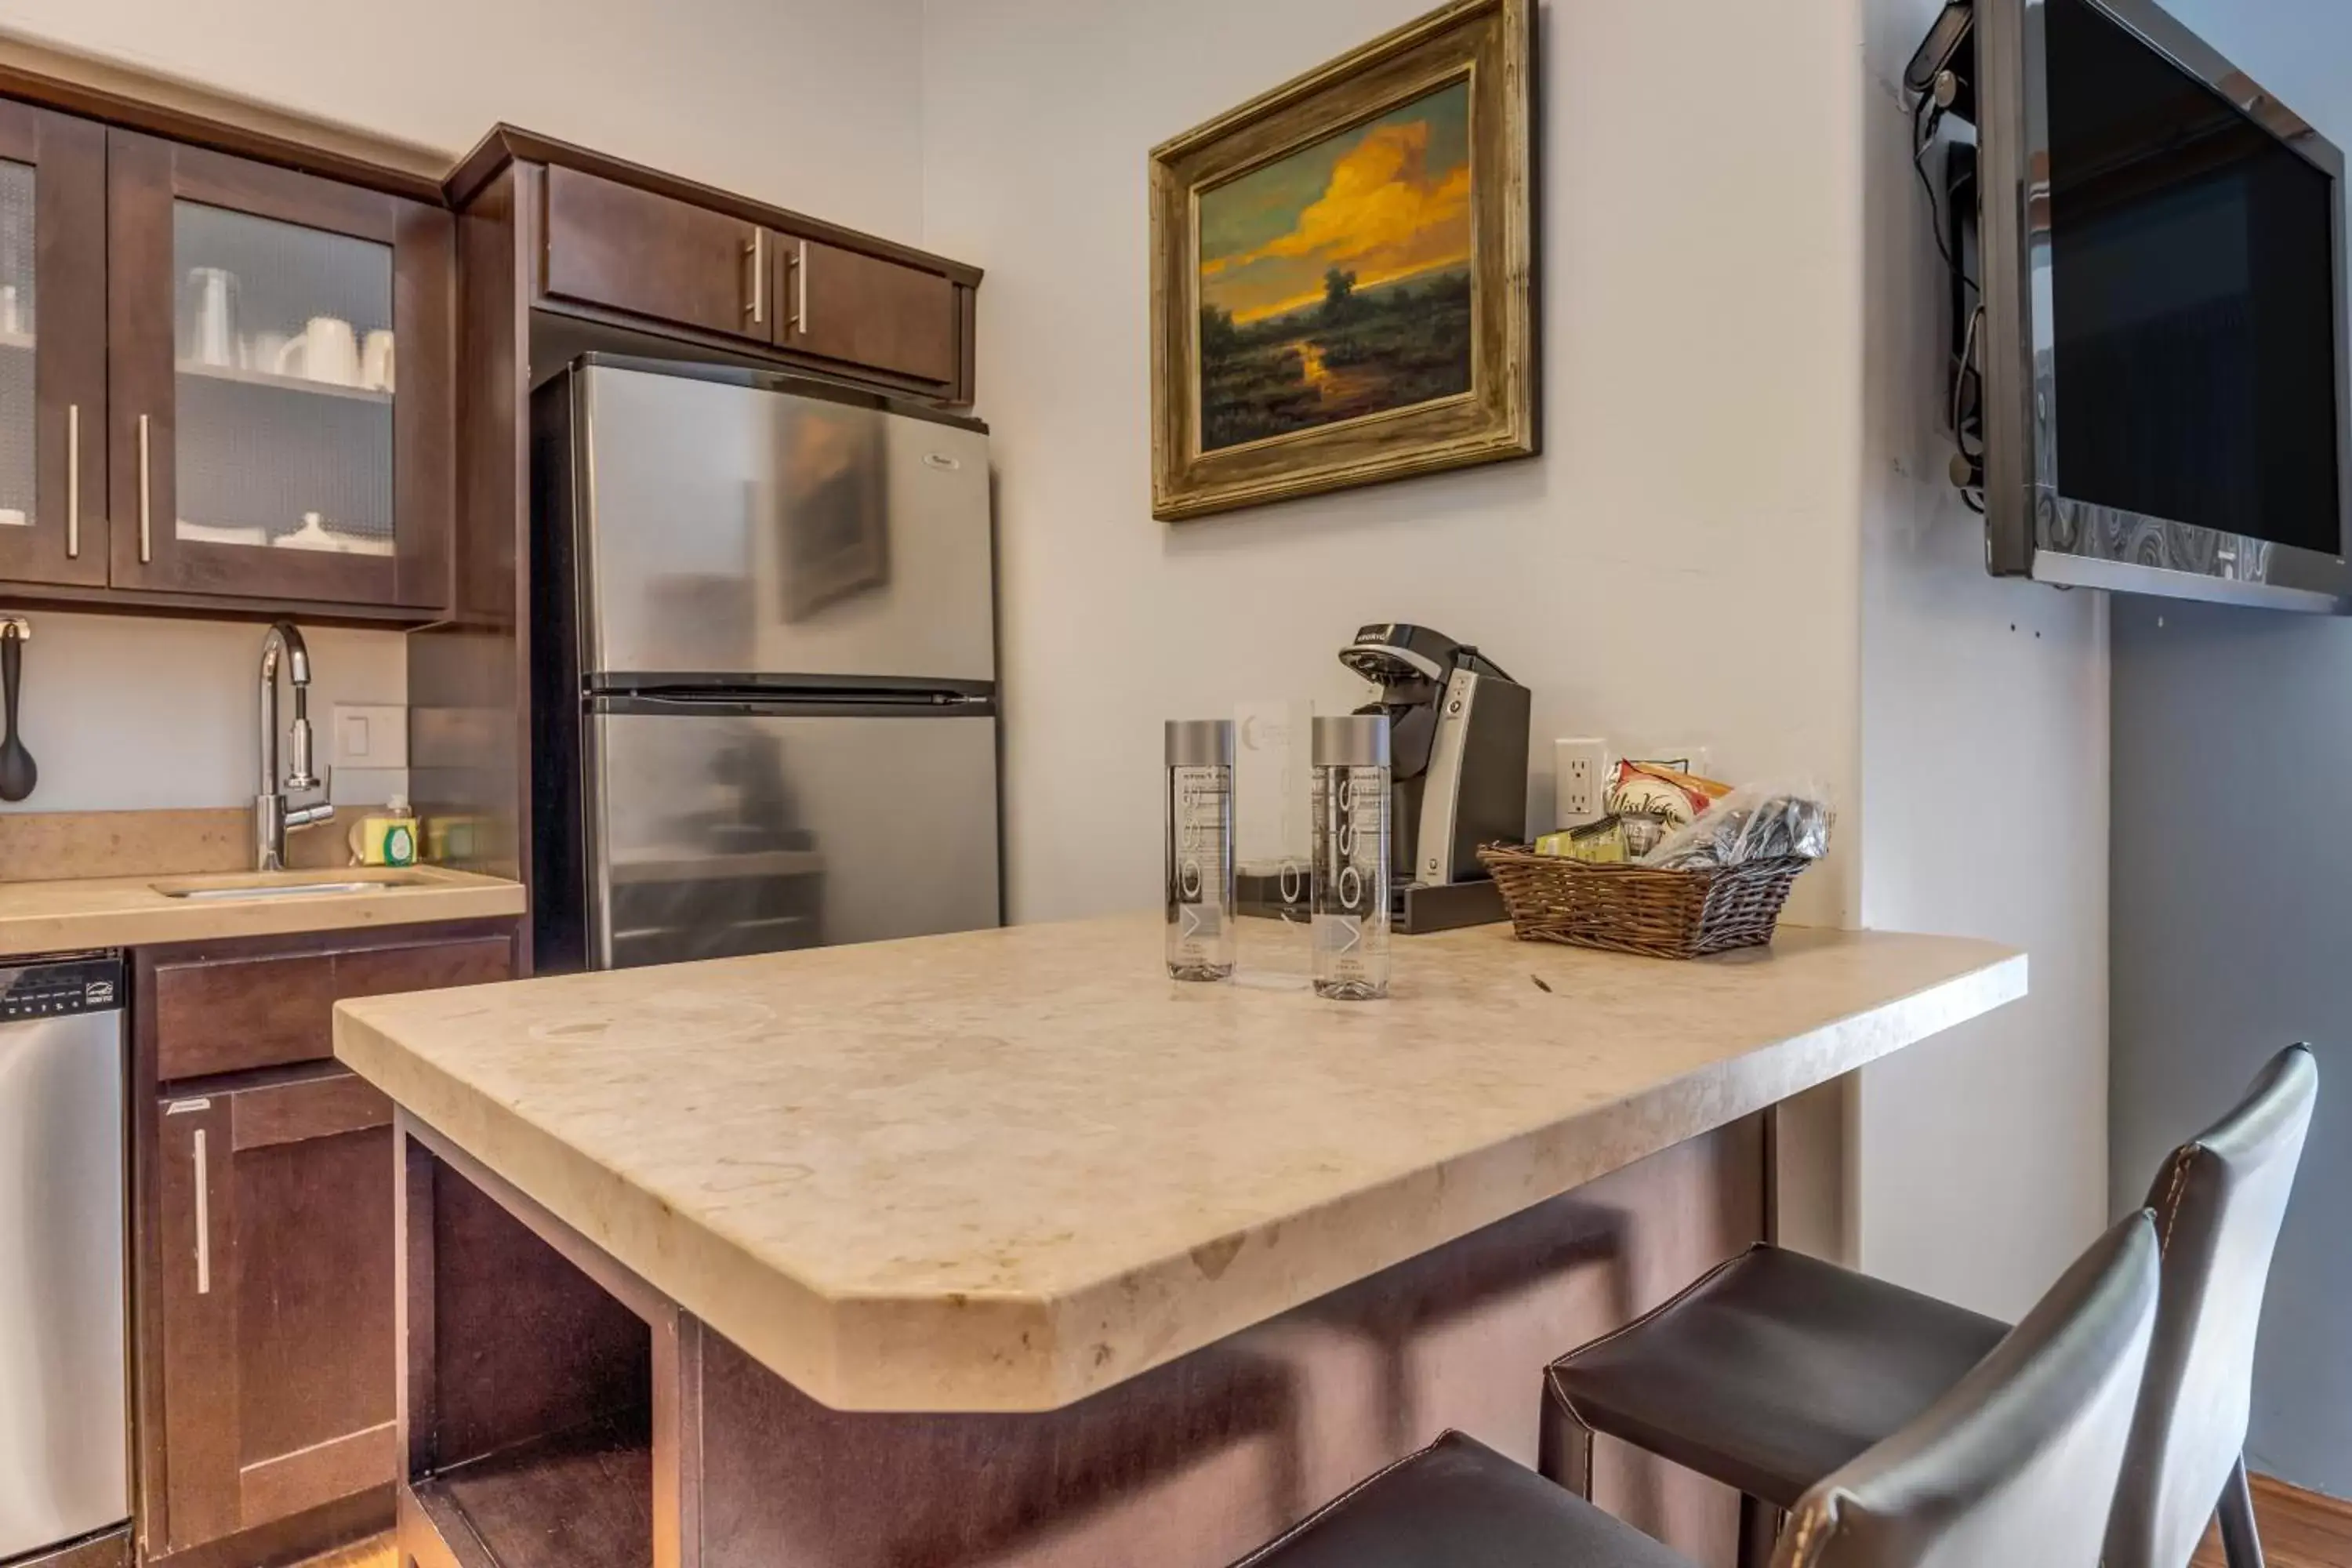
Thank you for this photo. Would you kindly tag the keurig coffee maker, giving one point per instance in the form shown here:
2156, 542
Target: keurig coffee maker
1458, 749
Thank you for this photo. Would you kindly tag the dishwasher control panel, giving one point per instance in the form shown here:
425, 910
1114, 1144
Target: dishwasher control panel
53, 987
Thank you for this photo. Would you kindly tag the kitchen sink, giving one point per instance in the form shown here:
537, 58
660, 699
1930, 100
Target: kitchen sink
224, 891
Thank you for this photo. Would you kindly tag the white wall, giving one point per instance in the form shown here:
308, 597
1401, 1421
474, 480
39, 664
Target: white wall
1980, 1163
2199, 681
2296, 48
125, 715
1716, 546
810, 104
1680, 566
2227, 948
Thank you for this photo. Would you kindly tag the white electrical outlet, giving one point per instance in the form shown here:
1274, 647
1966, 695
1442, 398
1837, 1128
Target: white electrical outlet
1579, 767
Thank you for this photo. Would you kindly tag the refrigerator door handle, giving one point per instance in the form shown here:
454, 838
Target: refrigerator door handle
757, 701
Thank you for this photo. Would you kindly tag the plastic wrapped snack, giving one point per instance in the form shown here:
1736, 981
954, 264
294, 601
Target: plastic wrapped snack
1660, 789
1756, 822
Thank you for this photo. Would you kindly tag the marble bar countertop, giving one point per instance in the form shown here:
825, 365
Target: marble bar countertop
136, 911
1002, 1170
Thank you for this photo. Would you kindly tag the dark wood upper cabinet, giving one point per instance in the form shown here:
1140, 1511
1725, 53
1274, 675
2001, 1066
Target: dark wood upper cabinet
52, 348
279, 355
229, 383
627, 250
863, 311
631, 247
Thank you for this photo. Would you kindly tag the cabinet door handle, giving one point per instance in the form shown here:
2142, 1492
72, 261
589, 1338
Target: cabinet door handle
146, 510
73, 481
204, 1221
758, 251
799, 288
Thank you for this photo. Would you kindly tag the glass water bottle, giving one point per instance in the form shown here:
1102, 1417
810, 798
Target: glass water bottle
1200, 849
1350, 898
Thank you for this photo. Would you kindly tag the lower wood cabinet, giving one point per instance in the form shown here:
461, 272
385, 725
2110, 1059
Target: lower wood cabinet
275, 1305
244, 1006
264, 1277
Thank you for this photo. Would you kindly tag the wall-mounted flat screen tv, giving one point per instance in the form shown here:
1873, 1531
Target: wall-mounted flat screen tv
2161, 349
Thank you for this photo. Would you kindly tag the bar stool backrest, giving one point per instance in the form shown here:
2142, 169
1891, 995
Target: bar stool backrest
2219, 1203
2017, 1462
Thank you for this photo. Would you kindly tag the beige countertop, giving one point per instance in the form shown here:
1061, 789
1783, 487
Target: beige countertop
1002, 1170
134, 911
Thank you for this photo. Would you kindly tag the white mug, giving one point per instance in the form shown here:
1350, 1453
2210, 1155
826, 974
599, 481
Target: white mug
327, 351
265, 351
375, 360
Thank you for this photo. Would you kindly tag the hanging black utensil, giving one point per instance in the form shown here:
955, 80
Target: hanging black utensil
17, 772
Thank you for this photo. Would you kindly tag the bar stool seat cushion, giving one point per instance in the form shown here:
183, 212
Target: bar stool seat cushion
1459, 1504
1772, 1371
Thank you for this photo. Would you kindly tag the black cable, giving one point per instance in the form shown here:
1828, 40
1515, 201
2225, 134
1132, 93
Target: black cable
1965, 381
1925, 120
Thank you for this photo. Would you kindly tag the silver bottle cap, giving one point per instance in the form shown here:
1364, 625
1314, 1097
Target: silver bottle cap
1200, 743
1352, 741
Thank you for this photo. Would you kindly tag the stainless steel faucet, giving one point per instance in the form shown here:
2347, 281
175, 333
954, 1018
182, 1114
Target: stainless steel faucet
271, 815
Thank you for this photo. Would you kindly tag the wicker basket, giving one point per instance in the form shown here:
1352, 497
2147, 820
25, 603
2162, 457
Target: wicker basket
1640, 908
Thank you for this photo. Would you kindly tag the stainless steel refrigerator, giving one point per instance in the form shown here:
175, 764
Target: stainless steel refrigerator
763, 666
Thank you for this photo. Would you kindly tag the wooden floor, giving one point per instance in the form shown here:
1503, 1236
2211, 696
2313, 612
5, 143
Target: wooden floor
2299, 1529
375, 1552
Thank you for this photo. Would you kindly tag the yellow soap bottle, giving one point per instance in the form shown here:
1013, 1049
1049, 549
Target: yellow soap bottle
389, 839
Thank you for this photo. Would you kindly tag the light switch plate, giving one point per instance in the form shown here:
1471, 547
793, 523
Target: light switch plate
371, 735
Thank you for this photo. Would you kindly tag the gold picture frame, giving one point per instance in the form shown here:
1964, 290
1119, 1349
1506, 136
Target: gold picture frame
1404, 171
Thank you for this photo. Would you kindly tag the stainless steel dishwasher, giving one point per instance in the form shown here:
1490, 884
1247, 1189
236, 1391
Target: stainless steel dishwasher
64, 1470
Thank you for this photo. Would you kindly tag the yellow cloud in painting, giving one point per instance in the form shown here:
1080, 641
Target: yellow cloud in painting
1383, 215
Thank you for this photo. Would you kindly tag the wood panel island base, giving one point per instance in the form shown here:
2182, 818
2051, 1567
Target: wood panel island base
999, 1249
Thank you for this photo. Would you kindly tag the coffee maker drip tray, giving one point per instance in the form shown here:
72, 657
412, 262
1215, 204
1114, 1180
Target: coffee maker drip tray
1421, 907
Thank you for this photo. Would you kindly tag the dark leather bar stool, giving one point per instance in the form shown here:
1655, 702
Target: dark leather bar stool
1776, 1369
2012, 1464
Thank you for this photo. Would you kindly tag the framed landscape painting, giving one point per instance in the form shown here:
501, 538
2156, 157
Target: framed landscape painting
1342, 272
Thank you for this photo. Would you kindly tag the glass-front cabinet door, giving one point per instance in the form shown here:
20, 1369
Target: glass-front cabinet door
52, 348
280, 424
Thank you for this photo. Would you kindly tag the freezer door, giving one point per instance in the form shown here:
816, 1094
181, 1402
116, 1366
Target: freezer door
713, 837
725, 530
63, 1417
